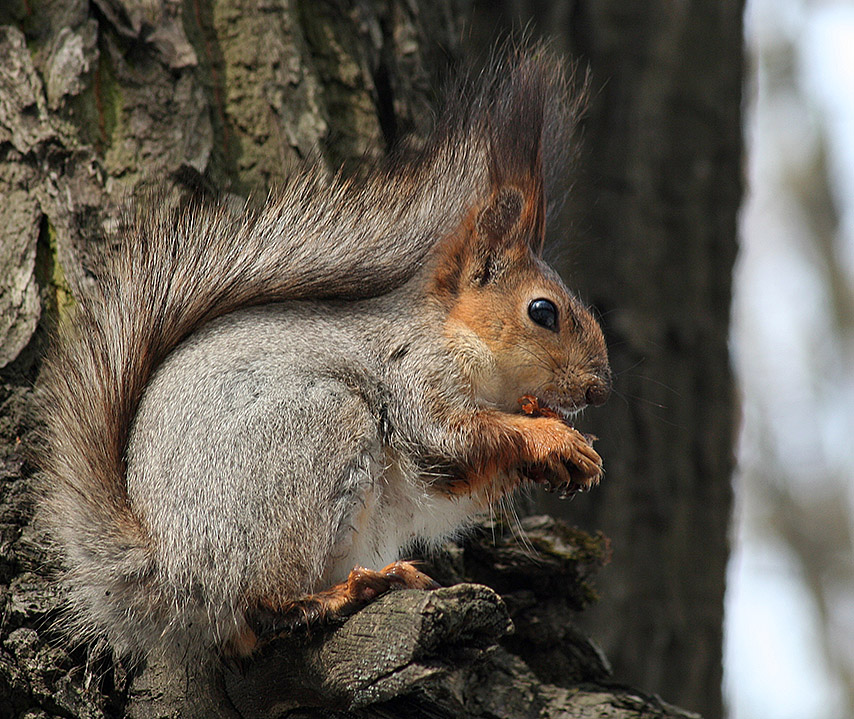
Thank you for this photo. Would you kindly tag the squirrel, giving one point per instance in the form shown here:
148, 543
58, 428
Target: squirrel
252, 413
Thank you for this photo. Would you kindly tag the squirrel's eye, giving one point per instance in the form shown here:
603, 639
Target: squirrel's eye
544, 313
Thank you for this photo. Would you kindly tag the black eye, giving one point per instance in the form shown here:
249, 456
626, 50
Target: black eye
544, 313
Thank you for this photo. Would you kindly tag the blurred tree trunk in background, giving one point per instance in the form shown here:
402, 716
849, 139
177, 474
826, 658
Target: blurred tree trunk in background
96, 98
650, 242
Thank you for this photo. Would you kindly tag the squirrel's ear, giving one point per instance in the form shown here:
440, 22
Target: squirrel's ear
513, 216
517, 126
501, 216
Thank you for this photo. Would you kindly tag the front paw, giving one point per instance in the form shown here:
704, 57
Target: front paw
582, 461
572, 465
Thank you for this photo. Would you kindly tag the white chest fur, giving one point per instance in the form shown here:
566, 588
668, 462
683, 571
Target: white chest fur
395, 511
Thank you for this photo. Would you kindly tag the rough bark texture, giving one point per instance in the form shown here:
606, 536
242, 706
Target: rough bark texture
98, 98
461, 652
651, 245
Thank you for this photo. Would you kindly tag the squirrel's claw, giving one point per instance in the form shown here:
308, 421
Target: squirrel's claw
568, 476
572, 465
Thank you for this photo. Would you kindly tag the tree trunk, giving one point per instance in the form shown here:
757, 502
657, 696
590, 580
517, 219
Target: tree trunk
98, 99
650, 242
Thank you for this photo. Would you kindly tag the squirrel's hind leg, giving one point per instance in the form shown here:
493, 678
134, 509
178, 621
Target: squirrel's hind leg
360, 588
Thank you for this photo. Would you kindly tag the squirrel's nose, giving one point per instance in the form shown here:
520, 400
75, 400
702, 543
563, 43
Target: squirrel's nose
598, 391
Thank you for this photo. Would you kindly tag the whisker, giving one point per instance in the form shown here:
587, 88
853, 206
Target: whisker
539, 360
656, 382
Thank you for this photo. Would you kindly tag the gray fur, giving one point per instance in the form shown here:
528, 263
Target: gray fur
246, 406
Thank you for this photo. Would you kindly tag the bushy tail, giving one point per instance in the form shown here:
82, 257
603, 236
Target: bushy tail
174, 272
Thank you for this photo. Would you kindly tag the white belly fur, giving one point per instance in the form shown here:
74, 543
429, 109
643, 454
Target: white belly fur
397, 510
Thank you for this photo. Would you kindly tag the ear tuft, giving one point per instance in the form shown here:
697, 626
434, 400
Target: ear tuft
501, 215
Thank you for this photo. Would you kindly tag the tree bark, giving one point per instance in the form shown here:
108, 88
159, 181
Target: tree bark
98, 99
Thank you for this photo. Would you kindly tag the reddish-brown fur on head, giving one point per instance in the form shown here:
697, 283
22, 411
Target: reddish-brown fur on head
487, 282
488, 272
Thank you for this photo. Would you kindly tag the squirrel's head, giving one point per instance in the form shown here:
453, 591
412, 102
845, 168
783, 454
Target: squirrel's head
512, 324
